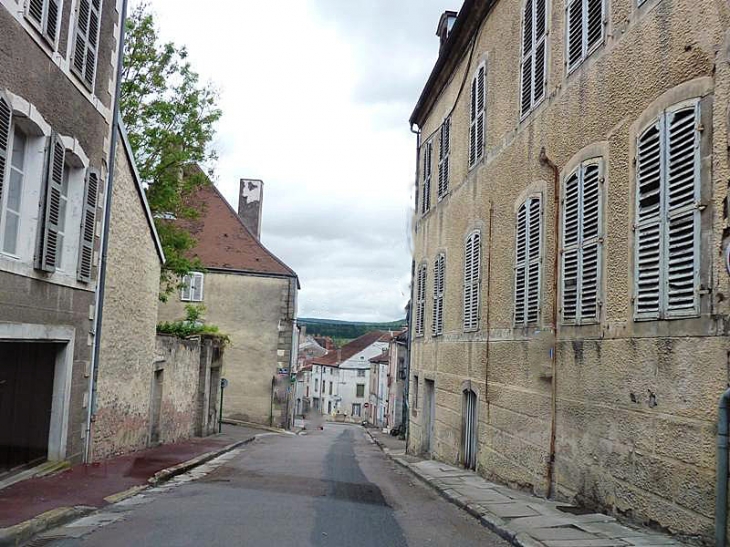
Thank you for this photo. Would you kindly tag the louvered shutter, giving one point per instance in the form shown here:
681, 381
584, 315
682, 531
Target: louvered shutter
427, 157
438, 295
186, 288
420, 300
196, 288
472, 123
472, 262
528, 254
6, 121
521, 264
533, 77
571, 247
594, 23
86, 41
53, 16
534, 251
591, 243
35, 12
88, 225
52, 206
575, 33
540, 56
683, 215
481, 107
444, 153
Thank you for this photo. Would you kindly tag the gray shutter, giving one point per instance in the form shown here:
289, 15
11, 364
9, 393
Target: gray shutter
648, 231
53, 16
420, 300
472, 123
86, 40
533, 256
475, 278
441, 287
35, 12
526, 90
591, 176
444, 150
468, 261
52, 205
683, 215
521, 264
6, 121
574, 20
594, 23
427, 170
540, 55
88, 224
481, 108
571, 247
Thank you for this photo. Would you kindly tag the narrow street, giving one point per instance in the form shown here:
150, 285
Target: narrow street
331, 487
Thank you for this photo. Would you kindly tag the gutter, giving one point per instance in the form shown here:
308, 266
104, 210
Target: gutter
99, 311
722, 470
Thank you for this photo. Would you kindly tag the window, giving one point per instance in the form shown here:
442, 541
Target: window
420, 300
427, 157
45, 15
360, 391
444, 153
356, 409
534, 55
472, 279
585, 29
477, 116
192, 290
14, 193
667, 229
361, 373
582, 241
86, 40
527, 267
439, 268
414, 400
316, 385
330, 390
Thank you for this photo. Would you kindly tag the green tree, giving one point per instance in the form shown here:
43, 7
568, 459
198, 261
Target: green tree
170, 117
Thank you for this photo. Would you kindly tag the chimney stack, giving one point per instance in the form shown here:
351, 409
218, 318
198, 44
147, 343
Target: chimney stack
250, 205
446, 23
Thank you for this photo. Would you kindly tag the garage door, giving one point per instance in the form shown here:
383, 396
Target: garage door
26, 391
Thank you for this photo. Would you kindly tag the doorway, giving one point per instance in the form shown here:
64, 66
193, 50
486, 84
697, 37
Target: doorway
429, 407
27, 372
156, 406
469, 430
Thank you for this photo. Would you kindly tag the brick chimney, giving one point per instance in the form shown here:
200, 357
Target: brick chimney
446, 23
250, 204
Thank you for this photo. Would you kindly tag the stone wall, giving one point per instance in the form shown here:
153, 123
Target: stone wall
127, 353
635, 402
257, 313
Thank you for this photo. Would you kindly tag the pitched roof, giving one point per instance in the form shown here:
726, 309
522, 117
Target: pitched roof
223, 242
382, 358
334, 358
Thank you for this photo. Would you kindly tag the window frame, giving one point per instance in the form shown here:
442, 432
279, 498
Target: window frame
586, 49
5, 190
188, 287
358, 391
581, 242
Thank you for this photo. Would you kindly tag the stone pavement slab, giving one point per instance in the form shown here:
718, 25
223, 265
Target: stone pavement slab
523, 519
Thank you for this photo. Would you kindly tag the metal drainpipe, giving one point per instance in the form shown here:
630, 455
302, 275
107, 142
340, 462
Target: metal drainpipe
98, 315
722, 470
545, 160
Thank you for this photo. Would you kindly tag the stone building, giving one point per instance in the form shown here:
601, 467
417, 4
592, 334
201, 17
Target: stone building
251, 295
397, 376
57, 89
570, 297
378, 409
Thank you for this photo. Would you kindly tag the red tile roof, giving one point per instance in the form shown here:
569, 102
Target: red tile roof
224, 242
334, 358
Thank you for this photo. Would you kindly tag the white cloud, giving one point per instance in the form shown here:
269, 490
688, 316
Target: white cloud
316, 96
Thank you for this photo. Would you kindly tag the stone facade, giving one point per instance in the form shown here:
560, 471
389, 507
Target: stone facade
46, 98
625, 407
257, 313
127, 353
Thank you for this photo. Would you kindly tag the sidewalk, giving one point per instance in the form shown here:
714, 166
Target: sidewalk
521, 518
35, 504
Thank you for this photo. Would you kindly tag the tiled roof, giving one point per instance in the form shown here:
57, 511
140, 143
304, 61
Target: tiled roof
334, 358
224, 242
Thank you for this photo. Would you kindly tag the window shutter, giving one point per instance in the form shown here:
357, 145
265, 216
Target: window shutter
534, 55
35, 12
534, 251
444, 152
86, 40
571, 247
420, 300
521, 264
186, 289
427, 157
196, 288
590, 240
438, 295
594, 24
683, 215
540, 64
481, 106
52, 19
6, 119
88, 224
52, 205
575, 33
472, 262
472, 123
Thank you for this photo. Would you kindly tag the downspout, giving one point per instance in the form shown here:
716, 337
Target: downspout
99, 306
545, 160
487, 318
722, 471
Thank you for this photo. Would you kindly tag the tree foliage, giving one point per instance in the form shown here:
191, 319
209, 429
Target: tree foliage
170, 116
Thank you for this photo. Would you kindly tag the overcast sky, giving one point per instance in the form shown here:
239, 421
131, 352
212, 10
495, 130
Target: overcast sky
316, 96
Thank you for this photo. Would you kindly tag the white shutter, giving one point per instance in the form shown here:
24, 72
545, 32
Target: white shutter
591, 243
533, 77
472, 265
521, 264
444, 153
427, 157
438, 295
52, 205
186, 289
35, 12
88, 225
571, 247
534, 254
45, 15
481, 107
683, 216
585, 20
540, 57
196, 288
594, 24
86, 40
6, 121
472, 123
420, 300
574, 22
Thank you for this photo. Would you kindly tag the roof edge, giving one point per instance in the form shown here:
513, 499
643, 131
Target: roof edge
140, 189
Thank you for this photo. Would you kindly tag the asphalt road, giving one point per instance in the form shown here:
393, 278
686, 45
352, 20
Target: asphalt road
326, 488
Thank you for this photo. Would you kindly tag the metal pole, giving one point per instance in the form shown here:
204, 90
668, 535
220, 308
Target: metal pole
220, 409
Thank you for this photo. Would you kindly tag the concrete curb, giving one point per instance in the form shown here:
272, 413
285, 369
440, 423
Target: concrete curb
17, 534
488, 520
